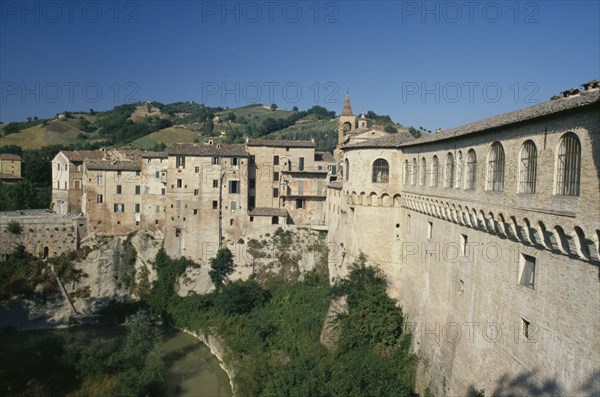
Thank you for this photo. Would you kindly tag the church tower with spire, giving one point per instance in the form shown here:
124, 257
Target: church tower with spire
347, 121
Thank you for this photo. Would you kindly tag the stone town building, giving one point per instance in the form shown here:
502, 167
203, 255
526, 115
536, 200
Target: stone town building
10, 168
207, 195
112, 196
195, 195
489, 234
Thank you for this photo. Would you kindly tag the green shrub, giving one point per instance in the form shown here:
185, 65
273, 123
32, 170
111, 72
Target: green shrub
14, 227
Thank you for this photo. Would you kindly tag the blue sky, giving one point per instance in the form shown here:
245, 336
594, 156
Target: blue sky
430, 64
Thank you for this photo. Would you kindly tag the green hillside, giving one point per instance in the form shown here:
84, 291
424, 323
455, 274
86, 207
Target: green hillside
153, 125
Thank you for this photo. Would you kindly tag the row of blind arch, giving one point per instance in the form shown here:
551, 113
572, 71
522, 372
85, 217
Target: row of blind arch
460, 174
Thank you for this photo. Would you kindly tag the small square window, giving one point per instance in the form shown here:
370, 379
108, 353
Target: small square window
234, 161
138, 189
195, 212
137, 208
527, 271
98, 199
275, 192
179, 182
163, 191
464, 241
215, 205
119, 189
119, 173
429, 229
234, 187
195, 192
275, 160
231, 222
276, 177
407, 223
525, 328
215, 183
251, 219
196, 169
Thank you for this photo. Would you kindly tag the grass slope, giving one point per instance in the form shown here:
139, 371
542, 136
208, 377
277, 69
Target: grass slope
55, 132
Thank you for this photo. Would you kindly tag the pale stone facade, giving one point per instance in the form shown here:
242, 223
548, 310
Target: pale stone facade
10, 168
43, 234
196, 196
489, 236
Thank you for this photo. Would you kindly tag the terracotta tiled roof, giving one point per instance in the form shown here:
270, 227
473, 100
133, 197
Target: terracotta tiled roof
280, 143
11, 157
388, 141
155, 155
268, 211
198, 149
80, 155
543, 109
113, 165
553, 106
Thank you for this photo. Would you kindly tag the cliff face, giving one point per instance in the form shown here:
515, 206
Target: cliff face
120, 268
115, 268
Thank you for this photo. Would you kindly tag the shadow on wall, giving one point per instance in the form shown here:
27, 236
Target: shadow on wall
529, 384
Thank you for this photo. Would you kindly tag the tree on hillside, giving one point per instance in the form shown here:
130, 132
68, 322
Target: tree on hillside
390, 129
295, 108
11, 128
274, 106
221, 266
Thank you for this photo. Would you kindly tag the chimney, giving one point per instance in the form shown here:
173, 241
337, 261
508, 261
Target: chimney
593, 85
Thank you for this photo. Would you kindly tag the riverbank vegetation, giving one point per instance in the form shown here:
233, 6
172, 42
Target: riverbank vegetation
55, 366
271, 327
272, 332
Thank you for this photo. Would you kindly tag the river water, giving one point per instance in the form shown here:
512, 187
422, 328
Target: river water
192, 370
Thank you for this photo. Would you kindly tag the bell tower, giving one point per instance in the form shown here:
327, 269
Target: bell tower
347, 121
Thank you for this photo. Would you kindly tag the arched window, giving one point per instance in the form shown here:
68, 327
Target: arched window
413, 172
423, 174
381, 171
459, 170
495, 168
569, 165
471, 169
405, 176
449, 176
346, 169
527, 168
435, 171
